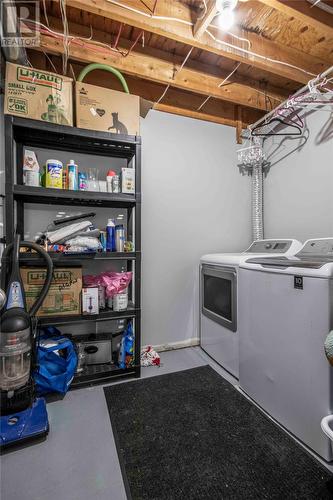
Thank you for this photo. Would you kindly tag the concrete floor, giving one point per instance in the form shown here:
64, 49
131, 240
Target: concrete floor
78, 460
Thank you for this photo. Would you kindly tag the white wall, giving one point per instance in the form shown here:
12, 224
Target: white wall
298, 190
194, 202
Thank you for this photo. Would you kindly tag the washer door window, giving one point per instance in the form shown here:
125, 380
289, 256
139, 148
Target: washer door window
219, 295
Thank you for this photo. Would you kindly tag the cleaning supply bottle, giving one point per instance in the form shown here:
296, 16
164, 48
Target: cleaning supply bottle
126, 349
82, 181
72, 175
65, 177
111, 236
109, 176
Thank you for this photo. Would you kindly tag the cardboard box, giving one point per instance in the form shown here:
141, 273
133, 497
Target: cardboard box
64, 296
90, 300
40, 95
108, 110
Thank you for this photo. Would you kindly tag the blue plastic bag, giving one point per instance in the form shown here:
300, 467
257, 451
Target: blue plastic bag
56, 364
126, 351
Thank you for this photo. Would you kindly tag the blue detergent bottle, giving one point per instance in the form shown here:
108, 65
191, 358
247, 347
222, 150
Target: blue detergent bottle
111, 236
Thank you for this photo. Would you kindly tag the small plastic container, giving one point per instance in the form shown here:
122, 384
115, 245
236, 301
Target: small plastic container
109, 177
120, 301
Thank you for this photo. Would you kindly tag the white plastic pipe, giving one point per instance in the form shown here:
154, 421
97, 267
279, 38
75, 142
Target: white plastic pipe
326, 425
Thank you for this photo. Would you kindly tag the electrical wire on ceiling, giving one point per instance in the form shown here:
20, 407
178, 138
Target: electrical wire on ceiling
50, 61
255, 54
240, 38
66, 36
221, 42
100, 47
176, 73
163, 94
151, 16
225, 81
45, 13
140, 35
220, 85
118, 35
73, 72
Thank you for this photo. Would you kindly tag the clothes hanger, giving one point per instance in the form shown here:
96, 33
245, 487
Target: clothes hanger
291, 115
316, 94
259, 130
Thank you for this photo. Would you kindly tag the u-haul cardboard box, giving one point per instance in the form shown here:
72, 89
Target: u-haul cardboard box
41, 95
64, 295
108, 110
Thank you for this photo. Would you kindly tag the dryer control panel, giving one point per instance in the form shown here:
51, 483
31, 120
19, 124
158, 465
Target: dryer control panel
270, 246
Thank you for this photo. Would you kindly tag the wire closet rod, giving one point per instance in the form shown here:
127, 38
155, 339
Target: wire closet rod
283, 104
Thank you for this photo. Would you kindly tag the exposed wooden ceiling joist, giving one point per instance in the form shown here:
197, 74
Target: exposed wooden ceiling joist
167, 108
148, 66
205, 19
268, 53
305, 12
175, 101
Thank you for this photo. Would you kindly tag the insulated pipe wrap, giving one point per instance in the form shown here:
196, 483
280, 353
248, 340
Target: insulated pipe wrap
257, 202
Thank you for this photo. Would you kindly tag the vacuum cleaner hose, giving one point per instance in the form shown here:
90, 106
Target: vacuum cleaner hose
49, 273
105, 67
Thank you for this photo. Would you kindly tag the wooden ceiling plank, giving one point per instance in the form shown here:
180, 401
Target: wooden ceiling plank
204, 20
182, 31
304, 12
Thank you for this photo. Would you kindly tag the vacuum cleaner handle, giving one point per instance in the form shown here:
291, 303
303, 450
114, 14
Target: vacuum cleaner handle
49, 273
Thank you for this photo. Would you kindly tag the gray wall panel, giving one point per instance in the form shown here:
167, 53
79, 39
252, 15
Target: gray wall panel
194, 202
298, 190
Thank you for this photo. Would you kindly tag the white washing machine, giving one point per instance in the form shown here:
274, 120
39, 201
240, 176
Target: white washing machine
219, 311
287, 311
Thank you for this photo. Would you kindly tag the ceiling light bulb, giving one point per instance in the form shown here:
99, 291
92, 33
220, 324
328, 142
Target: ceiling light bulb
226, 19
222, 5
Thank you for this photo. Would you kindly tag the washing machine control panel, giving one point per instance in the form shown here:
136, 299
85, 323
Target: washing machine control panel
320, 247
269, 246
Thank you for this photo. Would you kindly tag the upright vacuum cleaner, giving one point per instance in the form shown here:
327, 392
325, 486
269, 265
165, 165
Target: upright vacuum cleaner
23, 415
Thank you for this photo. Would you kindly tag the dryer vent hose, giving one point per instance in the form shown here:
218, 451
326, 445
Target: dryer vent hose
257, 202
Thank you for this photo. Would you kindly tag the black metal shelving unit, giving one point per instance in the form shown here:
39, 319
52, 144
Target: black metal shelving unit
22, 132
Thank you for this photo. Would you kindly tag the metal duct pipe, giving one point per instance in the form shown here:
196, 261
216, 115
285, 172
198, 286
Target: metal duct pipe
257, 202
